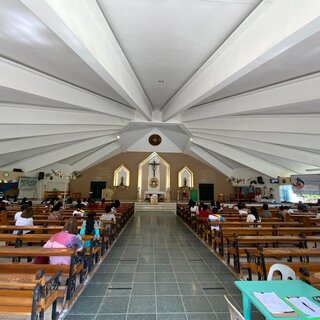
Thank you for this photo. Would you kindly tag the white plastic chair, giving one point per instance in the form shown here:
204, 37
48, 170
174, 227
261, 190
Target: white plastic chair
234, 313
286, 272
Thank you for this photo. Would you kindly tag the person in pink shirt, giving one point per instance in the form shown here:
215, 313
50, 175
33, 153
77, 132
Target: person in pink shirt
67, 238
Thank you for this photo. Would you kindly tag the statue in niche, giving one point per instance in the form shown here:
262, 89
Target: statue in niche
122, 185
185, 182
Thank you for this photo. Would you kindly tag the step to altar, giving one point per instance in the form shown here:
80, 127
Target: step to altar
160, 206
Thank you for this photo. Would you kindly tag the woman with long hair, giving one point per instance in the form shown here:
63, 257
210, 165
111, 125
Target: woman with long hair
67, 238
90, 227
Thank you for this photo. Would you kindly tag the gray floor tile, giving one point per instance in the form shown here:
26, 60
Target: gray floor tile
204, 316
123, 277
167, 304
111, 260
95, 289
226, 276
126, 268
171, 316
222, 315
143, 289
145, 268
102, 277
160, 260
165, 277
86, 305
186, 277
163, 268
145, 304
206, 277
144, 277
141, 317
200, 268
114, 305
111, 317
182, 268
191, 289
196, 304
123, 290
218, 303
107, 268
79, 317
164, 289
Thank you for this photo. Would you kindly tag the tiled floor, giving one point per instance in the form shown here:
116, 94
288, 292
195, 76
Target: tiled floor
158, 270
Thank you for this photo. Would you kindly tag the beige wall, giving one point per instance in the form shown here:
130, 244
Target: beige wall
104, 172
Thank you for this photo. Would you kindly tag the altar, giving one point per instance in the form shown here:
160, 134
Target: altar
161, 195
154, 179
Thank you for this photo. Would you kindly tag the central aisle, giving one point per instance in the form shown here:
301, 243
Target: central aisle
157, 270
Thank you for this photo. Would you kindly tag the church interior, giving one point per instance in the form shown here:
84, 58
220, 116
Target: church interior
164, 106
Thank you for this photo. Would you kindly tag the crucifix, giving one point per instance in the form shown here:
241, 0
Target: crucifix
154, 167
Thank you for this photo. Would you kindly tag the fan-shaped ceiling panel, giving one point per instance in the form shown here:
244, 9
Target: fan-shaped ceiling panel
231, 82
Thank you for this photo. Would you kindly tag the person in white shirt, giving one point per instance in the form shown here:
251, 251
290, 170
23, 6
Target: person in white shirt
25, 220
19, 213
78, 212
194, 209
242, 209
215, 217
253, 215
108, 216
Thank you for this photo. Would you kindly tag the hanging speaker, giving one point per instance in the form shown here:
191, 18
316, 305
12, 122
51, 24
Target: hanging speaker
41, 176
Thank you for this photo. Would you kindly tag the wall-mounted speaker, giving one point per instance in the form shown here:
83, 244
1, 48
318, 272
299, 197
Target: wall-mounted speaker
260, 180
41, 176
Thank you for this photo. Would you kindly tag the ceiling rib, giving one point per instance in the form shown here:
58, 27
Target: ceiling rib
270, 21
94, 42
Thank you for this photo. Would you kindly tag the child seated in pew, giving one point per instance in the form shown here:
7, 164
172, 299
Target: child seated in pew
67, 238
55, 213
90, 227
215, 217
79, 212
25, 220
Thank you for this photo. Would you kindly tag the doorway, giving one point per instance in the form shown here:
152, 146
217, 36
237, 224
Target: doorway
206, 191
96, 189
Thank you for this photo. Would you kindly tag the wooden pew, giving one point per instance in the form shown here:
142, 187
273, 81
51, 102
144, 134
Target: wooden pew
71, 271
257, 259
237, 245
29, 294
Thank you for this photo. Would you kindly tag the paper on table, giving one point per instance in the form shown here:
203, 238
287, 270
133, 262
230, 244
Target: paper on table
273, 303
305, 305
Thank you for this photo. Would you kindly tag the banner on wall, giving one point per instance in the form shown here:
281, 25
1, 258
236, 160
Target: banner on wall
306, 183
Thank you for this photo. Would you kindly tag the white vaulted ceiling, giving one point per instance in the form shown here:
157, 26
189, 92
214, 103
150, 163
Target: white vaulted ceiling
234, 83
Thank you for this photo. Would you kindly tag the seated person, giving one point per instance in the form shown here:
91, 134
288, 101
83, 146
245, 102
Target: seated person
193, 208
22, 208
215, 217
253, 215
242, 209
265, 211
107, 216
90, 227
25, 220
115, 206
67, 238
55, 213
79, 212
204, 213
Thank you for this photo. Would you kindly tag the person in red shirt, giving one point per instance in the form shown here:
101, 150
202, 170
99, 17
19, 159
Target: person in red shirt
204, 213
